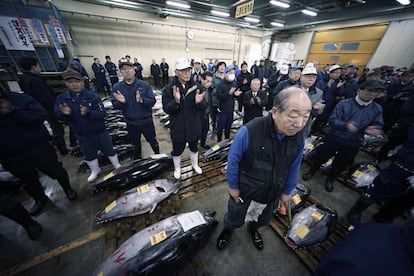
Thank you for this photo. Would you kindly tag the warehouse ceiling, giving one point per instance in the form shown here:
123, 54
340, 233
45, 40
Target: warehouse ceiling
328, 11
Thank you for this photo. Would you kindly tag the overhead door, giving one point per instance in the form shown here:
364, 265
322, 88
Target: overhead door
348, 45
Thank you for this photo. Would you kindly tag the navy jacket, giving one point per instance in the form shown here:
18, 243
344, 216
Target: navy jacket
184, 116
349, 110
111, 68
84, 126
134, 112
99, 71
23, 128
36, 87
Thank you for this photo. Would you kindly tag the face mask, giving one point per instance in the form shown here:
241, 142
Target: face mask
231, 77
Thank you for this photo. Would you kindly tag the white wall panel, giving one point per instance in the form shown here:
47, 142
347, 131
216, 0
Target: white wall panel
101, 30
396, 47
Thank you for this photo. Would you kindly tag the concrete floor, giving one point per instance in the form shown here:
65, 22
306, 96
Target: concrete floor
73, 244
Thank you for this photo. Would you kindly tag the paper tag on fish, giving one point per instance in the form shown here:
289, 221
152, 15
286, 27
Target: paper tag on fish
357, 174
329, 162
371, 167
302, 231
110, 206
215, 147
317, 216
296, 199
100, 274
157, 238
190, 220
143, 189
159, 156
109, 175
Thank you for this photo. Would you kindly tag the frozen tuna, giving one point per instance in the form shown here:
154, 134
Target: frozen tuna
162, 248
363, 175
218, 151
310, 226
311, 143
138, 172
138, 200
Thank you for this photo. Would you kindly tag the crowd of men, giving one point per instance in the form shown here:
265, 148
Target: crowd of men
202, 97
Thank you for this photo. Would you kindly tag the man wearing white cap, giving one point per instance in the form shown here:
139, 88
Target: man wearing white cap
182, 100
331, 89
307, 83
197, 71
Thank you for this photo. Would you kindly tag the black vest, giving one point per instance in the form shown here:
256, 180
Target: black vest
265, 165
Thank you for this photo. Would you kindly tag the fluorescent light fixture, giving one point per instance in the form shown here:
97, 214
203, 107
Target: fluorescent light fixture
252, 19
127, 2
220, 13
404, 2
310, 12
277, 24
178, 4
279, 4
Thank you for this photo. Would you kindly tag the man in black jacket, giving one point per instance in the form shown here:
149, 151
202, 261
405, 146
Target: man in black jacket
156, 73
36, 87
184, 102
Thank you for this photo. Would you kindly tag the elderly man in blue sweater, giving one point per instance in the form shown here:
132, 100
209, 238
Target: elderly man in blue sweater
263, 162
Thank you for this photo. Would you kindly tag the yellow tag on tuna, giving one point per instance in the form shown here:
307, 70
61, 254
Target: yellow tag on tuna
110, 206
357, 174
309, 146
296, 199
109, 175
215, 147
370, 167
142, 189
157, 238
100, 274
302, 231
317, 216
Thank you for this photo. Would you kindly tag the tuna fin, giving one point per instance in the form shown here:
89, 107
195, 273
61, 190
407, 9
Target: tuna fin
153, 208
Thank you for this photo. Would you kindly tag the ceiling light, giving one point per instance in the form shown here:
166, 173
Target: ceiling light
252, 19
127, 2
280, 4
309, 11
404, 2
220, 13
178, 4
277, 24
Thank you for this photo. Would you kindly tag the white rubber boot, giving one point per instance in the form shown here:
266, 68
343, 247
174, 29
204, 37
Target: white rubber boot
194, 162
115, 162
177, 166
95, 170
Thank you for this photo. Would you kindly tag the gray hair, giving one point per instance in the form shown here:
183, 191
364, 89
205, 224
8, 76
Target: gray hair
281, 101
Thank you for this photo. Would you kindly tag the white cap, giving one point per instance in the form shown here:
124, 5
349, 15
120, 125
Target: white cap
284, 69
197, 60
182, 63
309, 69
334, 67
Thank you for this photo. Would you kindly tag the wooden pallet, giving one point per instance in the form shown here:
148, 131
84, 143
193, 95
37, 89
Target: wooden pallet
311, 256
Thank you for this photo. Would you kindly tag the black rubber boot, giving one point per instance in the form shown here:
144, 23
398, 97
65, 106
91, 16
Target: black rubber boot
308, 175
22, 217
354, 214
71, 194
156, 148
35, 190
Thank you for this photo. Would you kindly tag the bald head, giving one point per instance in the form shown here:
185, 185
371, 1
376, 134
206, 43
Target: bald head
291, 110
